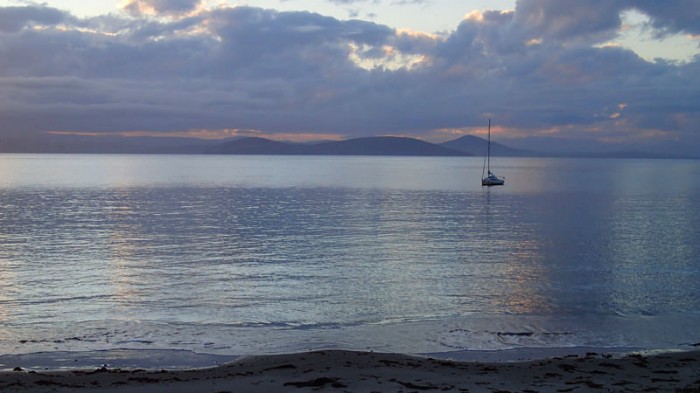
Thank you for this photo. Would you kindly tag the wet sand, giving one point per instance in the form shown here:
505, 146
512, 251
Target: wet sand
348, 371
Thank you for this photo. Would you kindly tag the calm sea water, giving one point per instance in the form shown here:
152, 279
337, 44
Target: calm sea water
242, 255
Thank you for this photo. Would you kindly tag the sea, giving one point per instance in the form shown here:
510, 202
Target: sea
193, 260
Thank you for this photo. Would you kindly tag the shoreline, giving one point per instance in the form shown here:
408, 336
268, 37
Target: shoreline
341, 370
185, 359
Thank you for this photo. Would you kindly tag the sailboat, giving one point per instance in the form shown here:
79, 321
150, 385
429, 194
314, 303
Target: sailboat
490, 179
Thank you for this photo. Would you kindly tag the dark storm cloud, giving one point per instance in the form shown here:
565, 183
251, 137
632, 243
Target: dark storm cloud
535, 68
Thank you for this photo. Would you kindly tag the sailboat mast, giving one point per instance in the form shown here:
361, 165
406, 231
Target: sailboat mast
490, 179
488, 153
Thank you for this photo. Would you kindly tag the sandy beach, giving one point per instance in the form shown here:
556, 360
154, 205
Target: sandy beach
348, 371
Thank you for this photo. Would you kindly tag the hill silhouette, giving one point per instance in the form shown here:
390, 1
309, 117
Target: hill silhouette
371, 146
477, 146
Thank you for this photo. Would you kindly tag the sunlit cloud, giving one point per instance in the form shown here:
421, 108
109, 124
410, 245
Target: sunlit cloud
476, 131
210, 134
417, 34
168, 8
385, 57
199, 134
474, 16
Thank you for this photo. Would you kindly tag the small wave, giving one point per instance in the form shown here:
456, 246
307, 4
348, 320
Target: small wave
485, 340
289, 325
135, 341
60, 300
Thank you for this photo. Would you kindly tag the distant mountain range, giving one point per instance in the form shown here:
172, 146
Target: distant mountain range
372, 146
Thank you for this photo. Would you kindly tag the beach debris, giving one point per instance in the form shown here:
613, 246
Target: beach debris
318, 383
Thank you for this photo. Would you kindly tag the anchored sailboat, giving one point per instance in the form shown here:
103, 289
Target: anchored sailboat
490, 179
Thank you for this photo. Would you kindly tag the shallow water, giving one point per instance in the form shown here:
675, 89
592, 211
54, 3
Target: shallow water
236, 255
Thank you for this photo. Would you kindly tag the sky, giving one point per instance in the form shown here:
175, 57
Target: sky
614, 73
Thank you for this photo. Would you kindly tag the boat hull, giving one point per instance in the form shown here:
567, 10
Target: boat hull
492, 182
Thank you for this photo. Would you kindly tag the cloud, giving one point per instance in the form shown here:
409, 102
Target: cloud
680, 16
161, 7
410, 2
535, 69
344, 2
599, 20
393, 2
593, 20
14, 19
